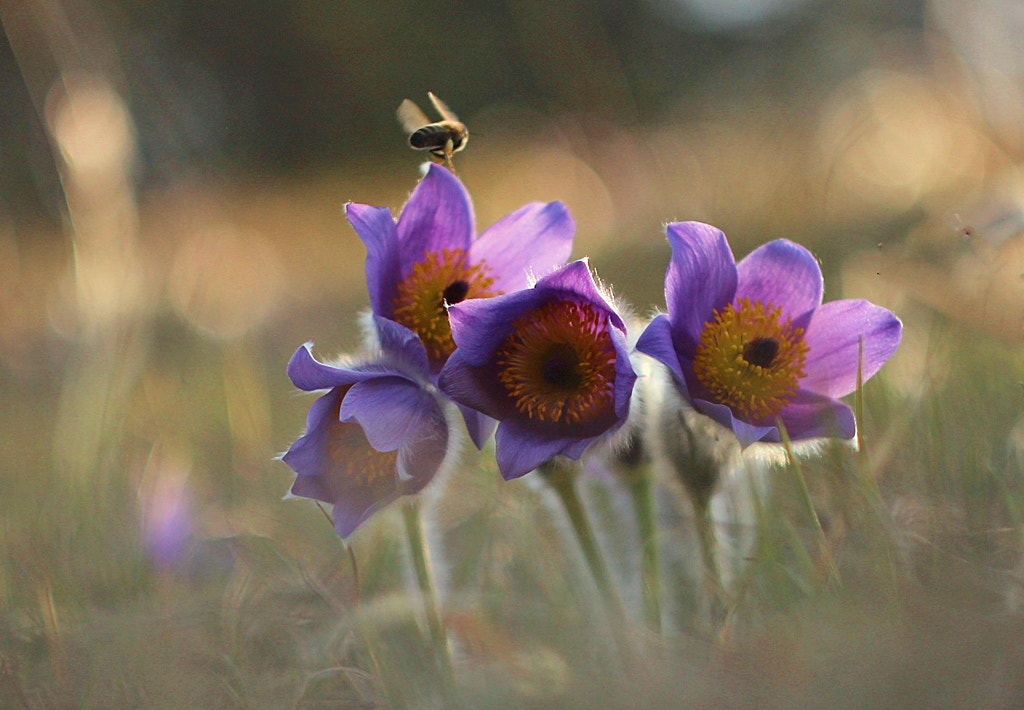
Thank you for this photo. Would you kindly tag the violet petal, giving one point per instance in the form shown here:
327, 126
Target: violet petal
783, 274
832, 337
390, 410
810, 416
480, 325
519, 450
701, 277
376, 227
438, 215
656, 342
535, 238
308, 374
746, 433
399, 342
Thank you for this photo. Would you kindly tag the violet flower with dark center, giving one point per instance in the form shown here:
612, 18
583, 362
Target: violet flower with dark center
752, 344
377, 434
549, 363
429, 258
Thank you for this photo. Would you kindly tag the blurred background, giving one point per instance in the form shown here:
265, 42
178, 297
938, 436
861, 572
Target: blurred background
172, 182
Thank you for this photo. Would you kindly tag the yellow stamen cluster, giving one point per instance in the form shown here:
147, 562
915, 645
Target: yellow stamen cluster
441, 277
360, 465
558, 365
750, 361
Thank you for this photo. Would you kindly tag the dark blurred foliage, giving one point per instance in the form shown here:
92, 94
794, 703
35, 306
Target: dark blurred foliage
259, 87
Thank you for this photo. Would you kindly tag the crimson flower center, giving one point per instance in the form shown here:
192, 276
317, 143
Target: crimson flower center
558, 364
750, 360
441, 277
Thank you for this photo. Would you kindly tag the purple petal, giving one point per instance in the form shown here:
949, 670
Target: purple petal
810, 416
625, 375
376, 228
656, 341
480, 325
322, 476
701, 277
479, 425
399, 342
421, 457
536, 238
438, 215
832, 337
391, 410
576, 280
783, 274
475, 387
519, 450
746, 433
308, 374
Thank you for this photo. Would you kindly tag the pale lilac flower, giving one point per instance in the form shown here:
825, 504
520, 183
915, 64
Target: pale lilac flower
549, 363
377, 434
751, 344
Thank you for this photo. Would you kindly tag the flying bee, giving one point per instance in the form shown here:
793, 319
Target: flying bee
443, 138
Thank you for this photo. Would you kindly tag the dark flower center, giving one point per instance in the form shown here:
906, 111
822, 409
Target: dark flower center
562, 367
456, 292
558, 364
441, 277
761, 351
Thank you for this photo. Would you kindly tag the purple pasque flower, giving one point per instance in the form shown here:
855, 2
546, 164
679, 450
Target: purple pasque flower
549, 363
429, 257
377, 434
751, 344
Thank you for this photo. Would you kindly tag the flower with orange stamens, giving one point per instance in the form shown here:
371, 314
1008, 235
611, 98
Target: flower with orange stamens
380, 431
549, 363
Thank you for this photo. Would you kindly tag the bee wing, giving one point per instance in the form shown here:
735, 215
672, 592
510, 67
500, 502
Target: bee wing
442, 108
411, 117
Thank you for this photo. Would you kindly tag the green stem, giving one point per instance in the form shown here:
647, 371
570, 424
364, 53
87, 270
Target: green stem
562, 479
704, 523
428, 590
643, 504
805, 496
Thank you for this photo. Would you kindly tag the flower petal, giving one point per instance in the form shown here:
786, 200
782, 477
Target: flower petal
308, 374
783, 274
321, 475
480, 325
833, 335
656, 341
576, 279
701, 277
625, 375
475, 387
535, 238
519, 450
746, 433
399, 342
391, 410
810, 416
438, 215
376, 227
479, 425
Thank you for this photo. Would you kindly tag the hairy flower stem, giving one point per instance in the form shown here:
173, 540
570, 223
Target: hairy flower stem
562, 479
428, 590
643, 506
